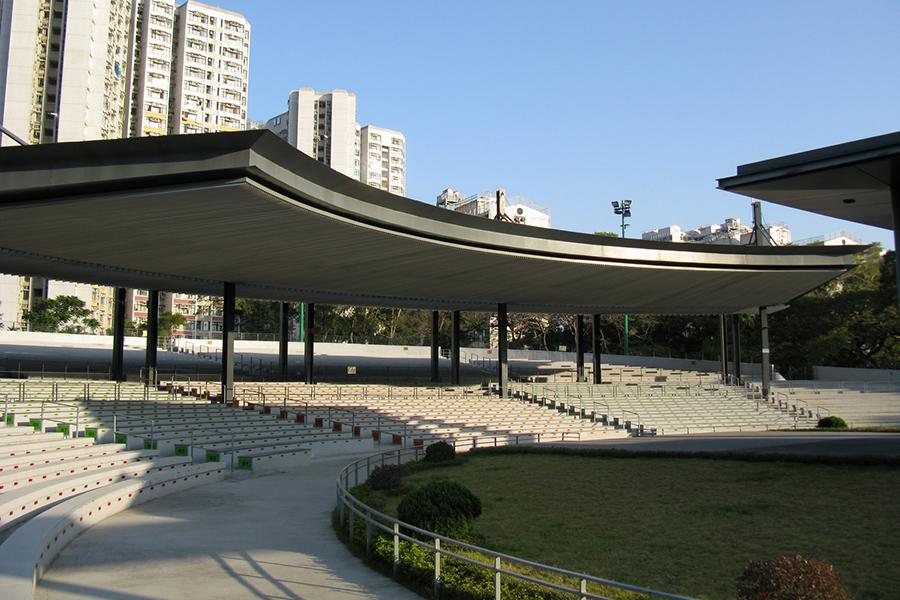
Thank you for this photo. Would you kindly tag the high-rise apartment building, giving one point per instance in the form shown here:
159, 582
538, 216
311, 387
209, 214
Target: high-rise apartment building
73, 70
322, 125
383, 159
212, 67
63, 66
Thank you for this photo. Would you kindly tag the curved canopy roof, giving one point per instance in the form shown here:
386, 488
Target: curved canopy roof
187, 213
850, 181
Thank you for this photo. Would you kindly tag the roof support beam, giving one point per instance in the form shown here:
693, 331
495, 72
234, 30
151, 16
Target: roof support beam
283, 333
118, 358
435, 332
152, 337
765, 363
723, 349
895, 208
503, 349
454, 348
595, 348
309, 342
579, 349
228, 343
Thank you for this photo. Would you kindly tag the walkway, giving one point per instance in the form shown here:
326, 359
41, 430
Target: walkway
264, 537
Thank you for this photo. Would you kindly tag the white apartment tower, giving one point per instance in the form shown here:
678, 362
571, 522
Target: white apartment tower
63, 66
322, 125
212, 66
384, 159
151, 75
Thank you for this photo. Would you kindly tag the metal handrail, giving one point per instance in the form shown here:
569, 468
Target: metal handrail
392, 526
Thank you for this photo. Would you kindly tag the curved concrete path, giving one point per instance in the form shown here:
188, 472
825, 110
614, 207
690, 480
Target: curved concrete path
266, 537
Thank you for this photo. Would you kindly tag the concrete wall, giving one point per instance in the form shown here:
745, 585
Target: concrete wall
66, 340
851, 374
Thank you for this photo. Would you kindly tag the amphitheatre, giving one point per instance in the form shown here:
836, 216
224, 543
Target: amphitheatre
188, 472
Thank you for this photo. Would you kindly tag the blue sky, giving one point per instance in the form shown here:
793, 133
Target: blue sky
575, 104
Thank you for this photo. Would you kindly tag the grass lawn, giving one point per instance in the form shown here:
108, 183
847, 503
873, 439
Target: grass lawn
683, 525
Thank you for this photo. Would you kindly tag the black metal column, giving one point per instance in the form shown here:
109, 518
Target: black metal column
435, 359
895, 205
228, 298
503, 349
118, 358
579, 349
595, 347
152, 337
736, 347
723, 349
309, 346
284, 332
765, 359
454, 348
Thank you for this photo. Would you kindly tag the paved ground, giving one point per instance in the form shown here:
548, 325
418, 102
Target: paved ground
771, 442
262, 537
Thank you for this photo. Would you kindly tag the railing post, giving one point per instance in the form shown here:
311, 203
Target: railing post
350, 523
368, 532
583, 588
396, 547
437, 568
497, 578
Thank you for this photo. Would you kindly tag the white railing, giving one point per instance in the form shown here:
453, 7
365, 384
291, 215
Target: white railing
501, 565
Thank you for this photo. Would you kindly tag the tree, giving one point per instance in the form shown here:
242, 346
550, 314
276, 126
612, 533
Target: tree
258, 316
168, 323
63, 314
606, 234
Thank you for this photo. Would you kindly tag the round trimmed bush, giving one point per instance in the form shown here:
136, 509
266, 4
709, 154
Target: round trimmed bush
790, 578
440, 452
832, 423
443, 507
387, 477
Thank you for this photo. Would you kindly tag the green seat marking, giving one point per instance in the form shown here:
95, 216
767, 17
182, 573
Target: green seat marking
10, 419
149, 444
91, 432
212, 456
63, 429
181, 450
121, 438
245, 462
36, 423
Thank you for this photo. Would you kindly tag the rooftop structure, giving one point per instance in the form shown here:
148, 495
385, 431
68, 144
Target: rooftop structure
731, 232
516, 209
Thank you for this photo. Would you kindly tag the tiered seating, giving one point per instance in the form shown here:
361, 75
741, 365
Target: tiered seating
663, 408
564, 372
178, 424
419, 415
859, 404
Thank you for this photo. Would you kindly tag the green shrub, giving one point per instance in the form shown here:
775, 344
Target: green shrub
387, 478
832, 423
790, 578
443, 507
440, 452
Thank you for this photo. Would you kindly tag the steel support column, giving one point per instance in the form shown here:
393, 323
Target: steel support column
503, 349
895, 206
284, 332
765, 359
118, 358
723, 350
309, 343
579, 349
152, 338
595, 347
435, 358
454, 348
736, 347
228, 299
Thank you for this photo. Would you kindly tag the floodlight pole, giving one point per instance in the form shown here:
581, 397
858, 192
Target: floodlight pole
625, 211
